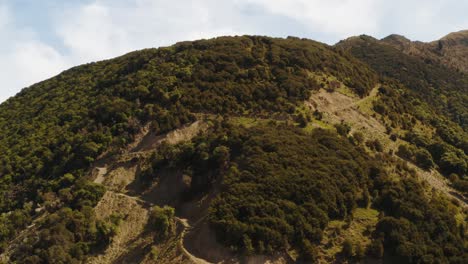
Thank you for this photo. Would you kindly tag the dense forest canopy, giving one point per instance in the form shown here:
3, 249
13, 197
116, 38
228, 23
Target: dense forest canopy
280, 184
63, 124
445, 89
431, 93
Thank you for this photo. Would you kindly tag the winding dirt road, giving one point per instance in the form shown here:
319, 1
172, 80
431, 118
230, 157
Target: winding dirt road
187, 227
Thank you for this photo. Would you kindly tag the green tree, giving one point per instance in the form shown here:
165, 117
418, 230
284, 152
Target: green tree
247, 244
424, 159
161, 220
358, 137
347, 249
376, 248
360, 251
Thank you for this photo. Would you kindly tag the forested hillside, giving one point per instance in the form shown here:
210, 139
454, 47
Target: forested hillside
270, 169
435, 95
450, 51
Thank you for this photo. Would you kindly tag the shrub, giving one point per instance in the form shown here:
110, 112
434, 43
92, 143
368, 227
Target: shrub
247, 244
161, 221
342, 129
347, 249
424, 159
360, 251
309, 252
358, 137
405, 152
376, 248
375, 145
461, 185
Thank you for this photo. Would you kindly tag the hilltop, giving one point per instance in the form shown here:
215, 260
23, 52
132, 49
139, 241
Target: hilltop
450, 51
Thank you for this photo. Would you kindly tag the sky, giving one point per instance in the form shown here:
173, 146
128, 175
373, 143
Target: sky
40, 39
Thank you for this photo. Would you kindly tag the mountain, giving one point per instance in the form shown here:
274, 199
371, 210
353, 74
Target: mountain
451, 50
240, 149
444, 88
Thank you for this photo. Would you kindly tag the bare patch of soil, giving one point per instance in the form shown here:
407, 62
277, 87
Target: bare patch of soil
130, 234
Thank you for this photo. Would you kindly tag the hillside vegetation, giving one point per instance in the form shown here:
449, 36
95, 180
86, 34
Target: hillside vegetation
427, 95
450, 51
282, 186
279, 174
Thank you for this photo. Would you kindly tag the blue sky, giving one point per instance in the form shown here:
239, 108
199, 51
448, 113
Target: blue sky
39, 39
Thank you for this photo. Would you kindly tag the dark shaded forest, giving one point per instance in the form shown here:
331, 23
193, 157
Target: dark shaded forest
281, 186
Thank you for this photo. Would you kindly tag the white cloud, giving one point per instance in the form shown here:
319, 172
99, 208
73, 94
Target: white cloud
423, 20
338, 17
36, 61
23, 59
91, 33
103, 29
